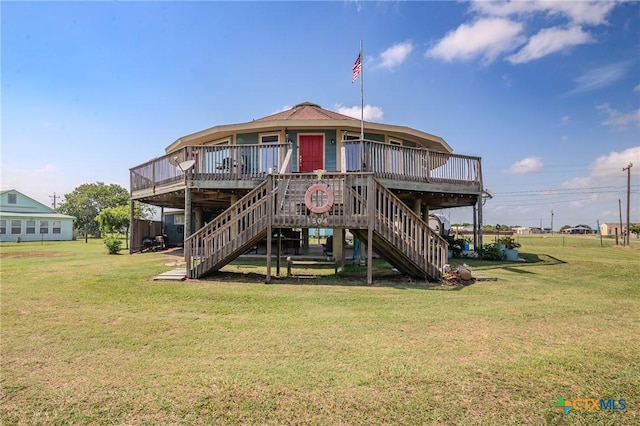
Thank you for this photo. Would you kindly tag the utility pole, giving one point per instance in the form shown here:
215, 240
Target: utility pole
54, 197
628, 170
552, 221
620, 211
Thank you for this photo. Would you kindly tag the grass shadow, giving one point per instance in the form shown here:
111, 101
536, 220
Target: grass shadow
389, 279
529, 260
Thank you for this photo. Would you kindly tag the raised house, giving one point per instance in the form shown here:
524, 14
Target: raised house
308, 168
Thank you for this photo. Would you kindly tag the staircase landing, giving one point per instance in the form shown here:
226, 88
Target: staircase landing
179, 274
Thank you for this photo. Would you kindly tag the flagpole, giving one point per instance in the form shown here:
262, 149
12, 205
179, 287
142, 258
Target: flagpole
361, 93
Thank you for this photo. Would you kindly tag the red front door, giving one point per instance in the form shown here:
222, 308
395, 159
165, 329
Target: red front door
310, 153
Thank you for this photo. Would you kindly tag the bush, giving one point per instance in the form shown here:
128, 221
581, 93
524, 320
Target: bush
492, 252
113, 243
456, 245
509, 242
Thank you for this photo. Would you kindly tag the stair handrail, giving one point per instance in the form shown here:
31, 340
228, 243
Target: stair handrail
424, 246
237, 212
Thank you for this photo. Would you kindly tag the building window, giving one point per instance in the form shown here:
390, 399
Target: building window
178, 219
57, 226
3, 227
31, 226
12, 198
44, 226
270, 155
16, 227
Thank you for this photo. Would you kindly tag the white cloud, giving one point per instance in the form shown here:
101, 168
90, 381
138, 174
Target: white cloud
524, 166
600, 77
371, 113
37, 183
611, 165
284, 108
566, 119
396, 54
579, 12
637, 89
550, 40
486, 38
618, 119
498, 27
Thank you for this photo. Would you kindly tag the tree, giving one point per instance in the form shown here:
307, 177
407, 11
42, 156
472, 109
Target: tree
634, 228
117, 219
87, 201
113, 219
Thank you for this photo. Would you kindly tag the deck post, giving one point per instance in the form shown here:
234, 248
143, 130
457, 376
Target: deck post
417, 207
187, 208
343, 250
269, 226
131, 222
269, 237
371, 206
278, 251
479, 229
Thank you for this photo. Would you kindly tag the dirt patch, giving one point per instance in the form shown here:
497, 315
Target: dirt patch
34, 254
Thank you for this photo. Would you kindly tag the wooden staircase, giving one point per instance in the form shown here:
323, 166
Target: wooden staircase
360, 202
403, 239
229, 235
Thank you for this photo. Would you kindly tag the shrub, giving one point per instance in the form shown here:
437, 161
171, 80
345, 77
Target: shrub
509, 242
492, 252
456, 245
113, 243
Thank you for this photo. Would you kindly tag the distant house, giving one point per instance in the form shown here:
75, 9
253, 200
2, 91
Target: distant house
580, 229
24, 218
613, 228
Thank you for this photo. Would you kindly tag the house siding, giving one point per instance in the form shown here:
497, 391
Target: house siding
15, 218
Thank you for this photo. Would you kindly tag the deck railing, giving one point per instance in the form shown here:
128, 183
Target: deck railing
408, 233
255, 162
215, 162
411, 164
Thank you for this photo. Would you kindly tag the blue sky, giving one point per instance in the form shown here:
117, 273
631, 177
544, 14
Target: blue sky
548, 94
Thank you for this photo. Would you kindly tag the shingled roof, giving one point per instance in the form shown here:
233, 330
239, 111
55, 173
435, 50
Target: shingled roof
306, 111
307, 115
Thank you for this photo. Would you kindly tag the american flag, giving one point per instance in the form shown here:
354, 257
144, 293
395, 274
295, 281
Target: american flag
357, 68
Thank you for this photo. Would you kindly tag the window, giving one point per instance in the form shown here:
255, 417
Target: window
57, 226
16, 226
44, 226
3, 227
270, 158
31, 226
12, 198
178, 219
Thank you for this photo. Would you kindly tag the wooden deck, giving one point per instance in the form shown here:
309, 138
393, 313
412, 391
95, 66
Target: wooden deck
240, 168
373, 196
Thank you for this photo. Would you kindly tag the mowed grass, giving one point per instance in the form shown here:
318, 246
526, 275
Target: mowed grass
89, 338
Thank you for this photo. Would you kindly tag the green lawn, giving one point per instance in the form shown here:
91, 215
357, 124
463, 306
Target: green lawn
88, 338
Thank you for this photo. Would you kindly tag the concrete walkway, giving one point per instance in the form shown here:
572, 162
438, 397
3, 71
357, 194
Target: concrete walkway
179, 274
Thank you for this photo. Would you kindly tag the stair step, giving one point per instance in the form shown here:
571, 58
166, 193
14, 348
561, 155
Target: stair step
179, 274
